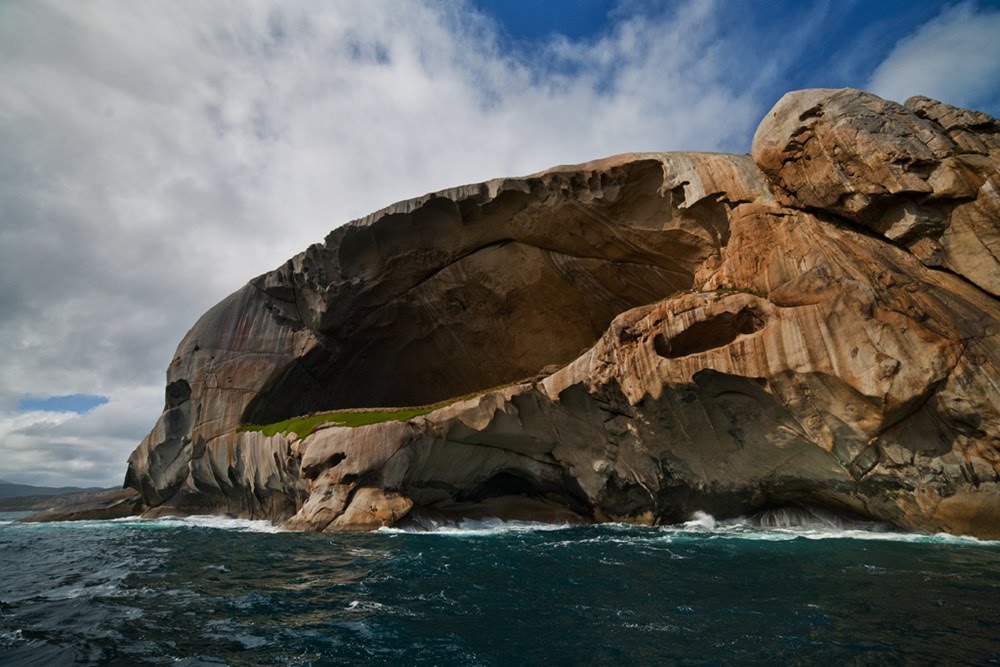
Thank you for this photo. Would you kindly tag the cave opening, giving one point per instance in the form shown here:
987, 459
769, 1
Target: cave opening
709, 334
445, 301
502, 484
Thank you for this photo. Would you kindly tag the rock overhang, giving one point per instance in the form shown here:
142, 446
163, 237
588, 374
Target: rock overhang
812, 323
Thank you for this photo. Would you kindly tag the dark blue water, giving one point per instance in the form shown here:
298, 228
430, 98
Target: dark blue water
223, 592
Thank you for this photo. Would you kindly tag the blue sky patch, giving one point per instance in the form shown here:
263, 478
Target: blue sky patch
820, 44
530, 21
78, 403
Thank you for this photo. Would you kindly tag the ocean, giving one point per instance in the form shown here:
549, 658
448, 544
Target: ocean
216, 591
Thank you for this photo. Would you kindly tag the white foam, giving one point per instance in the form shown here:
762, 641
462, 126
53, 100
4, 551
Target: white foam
216, 522
105, 590
203, 521
813, 518
701, 526
209, 521
810, 526
774, 527
701, 521
476, 527
8, 518
364, 605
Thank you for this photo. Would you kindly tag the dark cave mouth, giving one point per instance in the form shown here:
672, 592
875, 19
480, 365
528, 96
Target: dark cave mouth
708, 334
500, 308
389, 368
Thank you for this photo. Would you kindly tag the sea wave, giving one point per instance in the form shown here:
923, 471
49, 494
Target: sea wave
474, 527
204, 521
743, 528
773, 527
199, 521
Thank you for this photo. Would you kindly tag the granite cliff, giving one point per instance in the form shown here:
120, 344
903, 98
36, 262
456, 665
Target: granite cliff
633, 339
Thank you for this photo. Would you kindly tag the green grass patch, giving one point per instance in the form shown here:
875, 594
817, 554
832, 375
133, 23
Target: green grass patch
304, 425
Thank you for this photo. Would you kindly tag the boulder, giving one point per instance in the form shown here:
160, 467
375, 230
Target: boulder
924, 175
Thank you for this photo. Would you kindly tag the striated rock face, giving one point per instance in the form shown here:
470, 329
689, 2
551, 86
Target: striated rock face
923, 175
817, 323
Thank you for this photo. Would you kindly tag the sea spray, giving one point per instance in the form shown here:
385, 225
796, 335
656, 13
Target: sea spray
701, 521
813, 518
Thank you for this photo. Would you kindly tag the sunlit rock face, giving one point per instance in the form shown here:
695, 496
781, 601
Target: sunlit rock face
636, 338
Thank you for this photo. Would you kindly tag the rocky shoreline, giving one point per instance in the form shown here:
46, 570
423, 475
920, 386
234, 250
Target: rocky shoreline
813, 324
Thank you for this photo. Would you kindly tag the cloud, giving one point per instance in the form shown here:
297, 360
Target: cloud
67, 448
158, 155
953, 58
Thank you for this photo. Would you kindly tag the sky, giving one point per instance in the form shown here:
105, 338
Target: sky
158, 155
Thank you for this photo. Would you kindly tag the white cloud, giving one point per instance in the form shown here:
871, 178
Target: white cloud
158, 155
954, 58
66, 448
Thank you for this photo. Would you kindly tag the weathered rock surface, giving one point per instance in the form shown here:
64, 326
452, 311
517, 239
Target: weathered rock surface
924, 175
816, 324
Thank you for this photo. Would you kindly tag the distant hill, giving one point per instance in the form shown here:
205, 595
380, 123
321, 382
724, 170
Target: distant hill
11, 490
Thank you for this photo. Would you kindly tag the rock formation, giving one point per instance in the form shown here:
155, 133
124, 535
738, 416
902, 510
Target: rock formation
637, 338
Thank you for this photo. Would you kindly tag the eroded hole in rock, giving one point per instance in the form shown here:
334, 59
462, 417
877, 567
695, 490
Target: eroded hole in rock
661, 346
312, 471
709, 334
178, 392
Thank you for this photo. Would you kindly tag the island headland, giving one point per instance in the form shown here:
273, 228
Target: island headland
631, 339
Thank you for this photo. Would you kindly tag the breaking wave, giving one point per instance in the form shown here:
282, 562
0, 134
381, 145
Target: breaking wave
781, 524
472, 527
204, 521
201, 521
784, 527
776, 525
